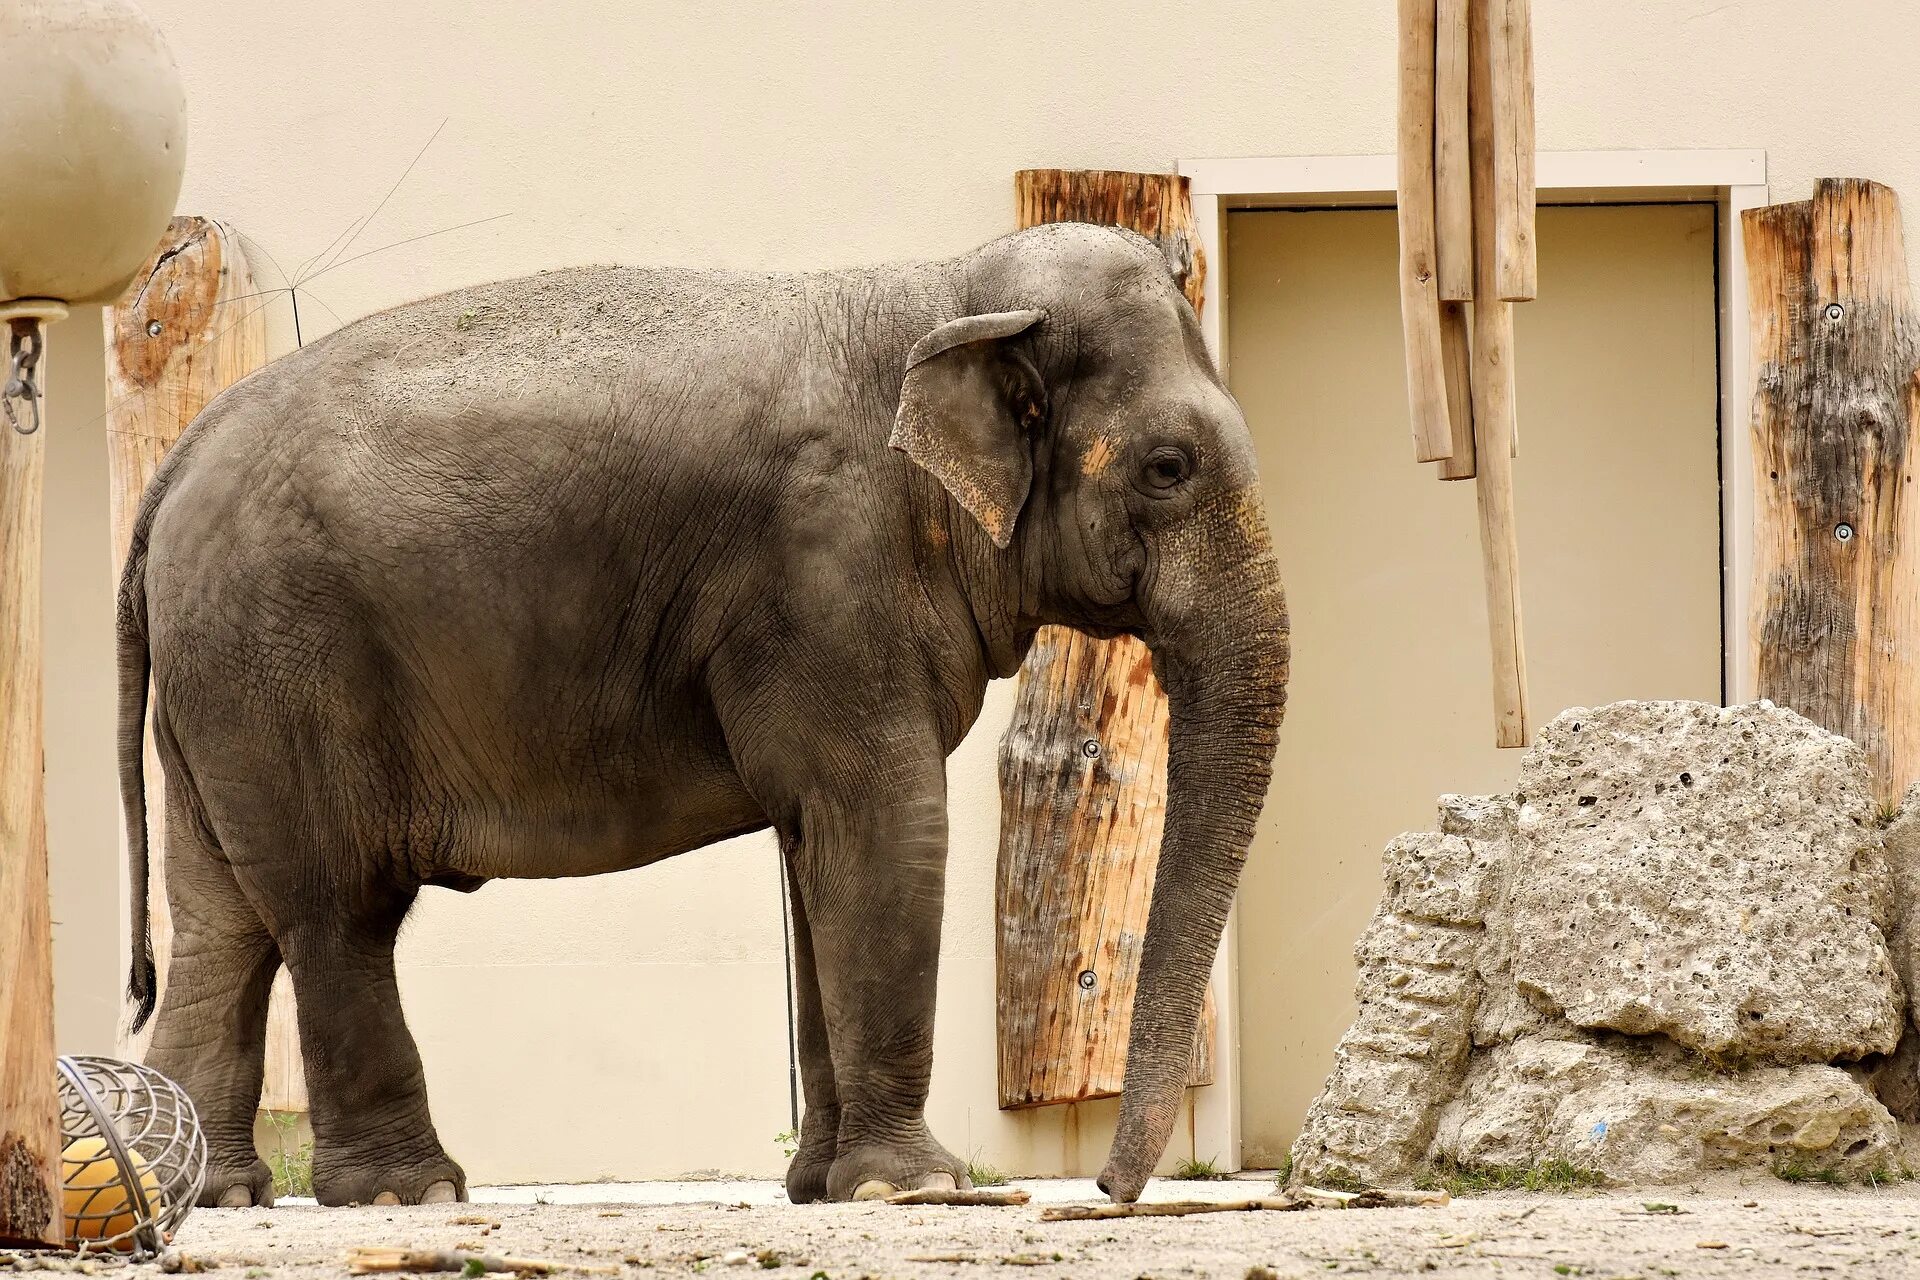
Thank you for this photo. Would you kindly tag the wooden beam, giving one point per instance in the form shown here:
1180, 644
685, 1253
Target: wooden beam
1507, 28
192, 323
1083, 785
1836, 343
1419, 283
1493, 405
1453, 187
1456, 350
29, 1102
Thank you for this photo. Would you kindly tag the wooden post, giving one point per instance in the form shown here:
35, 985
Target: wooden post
1836, 342
1456, 350
1419, 285
1507, 27
1493, 410
193, 322
29, 1102
1083, 784
1453, 189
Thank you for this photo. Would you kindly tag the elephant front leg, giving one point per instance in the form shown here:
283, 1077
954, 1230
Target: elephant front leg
819, 1140
871, 877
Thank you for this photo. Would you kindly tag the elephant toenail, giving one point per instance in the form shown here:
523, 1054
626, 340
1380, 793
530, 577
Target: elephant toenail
442, 1192
236, 1197
875, 1189
385, 1198
939, 1181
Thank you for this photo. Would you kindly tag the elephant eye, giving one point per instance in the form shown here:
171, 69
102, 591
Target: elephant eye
1165, 468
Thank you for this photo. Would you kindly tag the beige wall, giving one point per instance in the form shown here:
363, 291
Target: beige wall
1618, 503
784, 135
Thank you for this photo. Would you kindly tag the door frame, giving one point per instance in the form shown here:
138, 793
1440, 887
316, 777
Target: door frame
1731, 180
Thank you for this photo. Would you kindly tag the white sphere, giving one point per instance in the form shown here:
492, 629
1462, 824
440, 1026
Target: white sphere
93, 136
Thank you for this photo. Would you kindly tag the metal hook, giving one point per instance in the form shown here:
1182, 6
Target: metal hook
22, 380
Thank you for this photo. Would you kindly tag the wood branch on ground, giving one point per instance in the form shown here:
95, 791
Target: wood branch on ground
376, 1259
1293, 1199
1083, 782
1836, 537
993, 1196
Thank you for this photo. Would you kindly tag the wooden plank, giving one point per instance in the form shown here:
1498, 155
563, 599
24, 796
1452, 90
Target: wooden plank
1456, 349
1493, 411
1507, 28
1419, 285
193, 323
1836, 346
29, 1104
1083, 785
1452, 165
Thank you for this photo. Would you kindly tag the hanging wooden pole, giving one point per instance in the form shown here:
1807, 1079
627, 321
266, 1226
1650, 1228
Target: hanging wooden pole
1836, 342
1453, 188
1419, 282
29, 1103
1456, 350
1493, 401
1083, 784
193, 322
1508, 30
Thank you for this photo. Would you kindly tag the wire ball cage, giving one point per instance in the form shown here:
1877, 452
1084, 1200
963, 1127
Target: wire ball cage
133, 1157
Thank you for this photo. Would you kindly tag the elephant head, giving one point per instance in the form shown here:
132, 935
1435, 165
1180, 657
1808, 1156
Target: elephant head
1073, 411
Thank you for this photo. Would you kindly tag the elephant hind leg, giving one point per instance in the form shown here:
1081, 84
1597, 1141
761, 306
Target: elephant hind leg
210, 1032
374, 1140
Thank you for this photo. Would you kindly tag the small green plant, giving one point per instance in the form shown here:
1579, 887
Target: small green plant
1472, 1179
1284, 1174
983, 1174
789, 1140
1340, 1180
1192, 1170
1887, 812
474, 1269
1798, 1171
292, 1159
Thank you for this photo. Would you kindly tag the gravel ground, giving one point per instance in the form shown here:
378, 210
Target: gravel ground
1765, 1228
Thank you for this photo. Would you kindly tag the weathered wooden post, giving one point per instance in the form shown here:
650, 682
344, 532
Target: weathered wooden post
29, 1107
1083, 783
1836, 342
193, 323
95, 129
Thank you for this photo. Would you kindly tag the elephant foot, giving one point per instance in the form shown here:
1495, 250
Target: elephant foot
807, 1172
345, 1181
237, 1186
873, 1171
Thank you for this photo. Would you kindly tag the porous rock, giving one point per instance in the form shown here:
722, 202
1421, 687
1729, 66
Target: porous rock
1713, 875
1417, 989
1645, 1111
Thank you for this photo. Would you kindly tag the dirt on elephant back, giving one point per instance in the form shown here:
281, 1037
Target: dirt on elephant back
1760, 1228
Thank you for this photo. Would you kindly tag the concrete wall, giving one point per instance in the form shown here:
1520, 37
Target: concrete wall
781, 135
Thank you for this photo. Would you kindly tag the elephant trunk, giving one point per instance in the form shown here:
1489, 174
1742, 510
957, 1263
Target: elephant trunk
1222, 656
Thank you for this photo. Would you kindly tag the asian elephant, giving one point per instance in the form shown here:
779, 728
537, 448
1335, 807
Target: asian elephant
572, 573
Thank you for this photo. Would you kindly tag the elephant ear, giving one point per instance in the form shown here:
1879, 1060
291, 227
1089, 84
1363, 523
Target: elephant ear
969, 399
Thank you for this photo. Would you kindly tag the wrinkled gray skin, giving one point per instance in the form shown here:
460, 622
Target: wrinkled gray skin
573, 573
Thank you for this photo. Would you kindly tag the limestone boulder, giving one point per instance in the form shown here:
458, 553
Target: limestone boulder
1417, 987
1711, 875
1646, 1112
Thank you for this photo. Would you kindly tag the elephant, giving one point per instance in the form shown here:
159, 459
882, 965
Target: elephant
572, 573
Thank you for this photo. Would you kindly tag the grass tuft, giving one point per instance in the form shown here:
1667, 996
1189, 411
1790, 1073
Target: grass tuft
1476, 1179
983, 1174
1284, 1174
290, 1161
1198, 1171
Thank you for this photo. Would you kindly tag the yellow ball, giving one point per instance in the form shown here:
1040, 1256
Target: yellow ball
96, 1204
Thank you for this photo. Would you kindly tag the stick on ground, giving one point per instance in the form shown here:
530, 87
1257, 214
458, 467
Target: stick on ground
368, 1260
1008, 1196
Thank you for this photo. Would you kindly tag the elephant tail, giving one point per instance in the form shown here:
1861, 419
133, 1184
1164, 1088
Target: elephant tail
135, 663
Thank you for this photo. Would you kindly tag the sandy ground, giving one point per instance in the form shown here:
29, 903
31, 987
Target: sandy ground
1764, 1228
